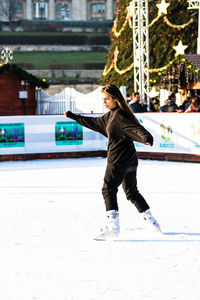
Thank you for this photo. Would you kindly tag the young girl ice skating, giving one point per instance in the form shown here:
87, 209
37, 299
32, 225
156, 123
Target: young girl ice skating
121, 128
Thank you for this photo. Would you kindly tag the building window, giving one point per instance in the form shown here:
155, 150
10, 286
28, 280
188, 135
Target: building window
97, 11
18, 7
40, 10
97, 8
17, 10
62, 12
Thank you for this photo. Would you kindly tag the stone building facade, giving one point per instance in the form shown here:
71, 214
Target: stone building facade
57, 10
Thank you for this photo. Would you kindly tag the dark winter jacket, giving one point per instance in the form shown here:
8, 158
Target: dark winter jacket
121, 131
169, 107
136, 107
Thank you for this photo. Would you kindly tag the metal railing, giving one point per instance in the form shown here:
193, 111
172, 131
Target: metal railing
69, 99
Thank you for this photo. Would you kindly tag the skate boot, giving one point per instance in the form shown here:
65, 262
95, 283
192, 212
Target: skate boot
150, 219
112, 227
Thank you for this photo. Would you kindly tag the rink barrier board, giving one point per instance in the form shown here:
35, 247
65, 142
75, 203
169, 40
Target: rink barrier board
85, 154
33, 156
169, 156
176, 137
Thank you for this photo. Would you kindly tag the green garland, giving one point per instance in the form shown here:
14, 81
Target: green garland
24, 75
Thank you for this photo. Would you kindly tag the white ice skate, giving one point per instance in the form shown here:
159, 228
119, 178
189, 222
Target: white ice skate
112, 227
151, 220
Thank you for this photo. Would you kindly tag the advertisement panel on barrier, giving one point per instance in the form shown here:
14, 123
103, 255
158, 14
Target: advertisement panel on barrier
167, 136
173, 133
68, 133
12, 135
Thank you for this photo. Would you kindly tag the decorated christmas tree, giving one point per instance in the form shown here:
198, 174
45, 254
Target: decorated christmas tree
172, 31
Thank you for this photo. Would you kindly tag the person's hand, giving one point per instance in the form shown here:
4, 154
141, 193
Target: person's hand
148, 144
65, 114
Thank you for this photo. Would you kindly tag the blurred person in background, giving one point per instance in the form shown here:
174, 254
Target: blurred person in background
170, 105
156, 104
193, 105
184, 105
135, 104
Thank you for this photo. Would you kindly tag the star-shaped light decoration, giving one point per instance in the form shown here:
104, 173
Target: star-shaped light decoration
162, 7
180, 48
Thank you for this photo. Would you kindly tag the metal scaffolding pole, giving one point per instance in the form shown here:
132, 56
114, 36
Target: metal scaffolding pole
141, 49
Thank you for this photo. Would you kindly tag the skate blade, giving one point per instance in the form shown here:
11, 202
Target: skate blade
106, 238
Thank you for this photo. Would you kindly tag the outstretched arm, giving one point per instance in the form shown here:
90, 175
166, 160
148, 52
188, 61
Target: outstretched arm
97, 124
136, 132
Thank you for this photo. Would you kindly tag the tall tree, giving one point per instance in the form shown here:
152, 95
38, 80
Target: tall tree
171, 23
8, 10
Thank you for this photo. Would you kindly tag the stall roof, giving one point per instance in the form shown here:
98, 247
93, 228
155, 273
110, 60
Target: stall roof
24, 75
194, 59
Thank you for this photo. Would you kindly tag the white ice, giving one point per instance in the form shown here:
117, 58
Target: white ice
51, 209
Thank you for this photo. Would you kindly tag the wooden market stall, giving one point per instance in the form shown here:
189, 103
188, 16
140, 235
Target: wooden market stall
17, 91
182, 74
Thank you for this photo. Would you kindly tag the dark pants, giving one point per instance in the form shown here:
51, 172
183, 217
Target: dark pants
114, 176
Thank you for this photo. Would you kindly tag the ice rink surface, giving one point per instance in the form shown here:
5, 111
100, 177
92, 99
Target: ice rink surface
51, 209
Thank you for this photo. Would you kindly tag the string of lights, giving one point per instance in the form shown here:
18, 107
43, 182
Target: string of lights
162, 13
